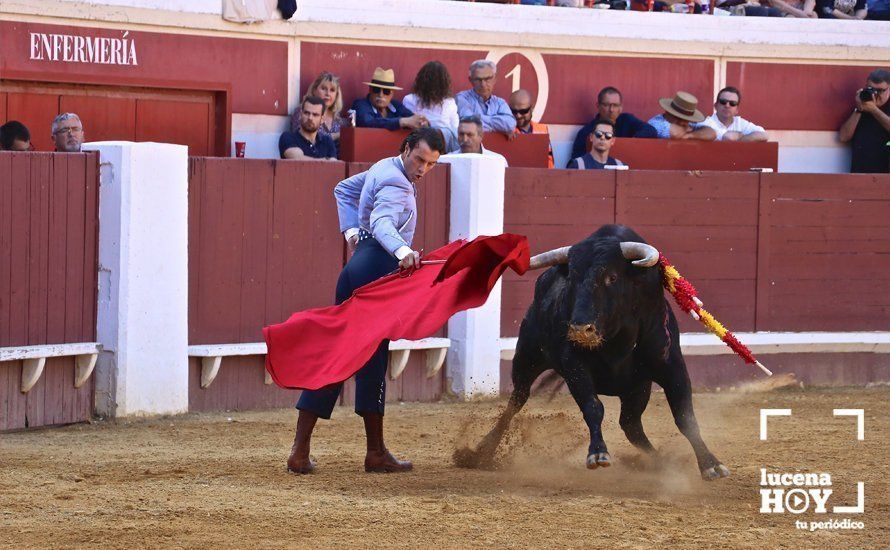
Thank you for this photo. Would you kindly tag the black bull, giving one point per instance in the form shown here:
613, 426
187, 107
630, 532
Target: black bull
604, 325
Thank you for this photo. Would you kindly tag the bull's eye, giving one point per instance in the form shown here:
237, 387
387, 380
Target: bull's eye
610, 279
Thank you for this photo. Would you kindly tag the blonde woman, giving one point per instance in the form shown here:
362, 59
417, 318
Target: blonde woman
327, 87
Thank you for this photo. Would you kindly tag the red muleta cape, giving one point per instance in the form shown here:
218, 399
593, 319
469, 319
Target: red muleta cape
327, 345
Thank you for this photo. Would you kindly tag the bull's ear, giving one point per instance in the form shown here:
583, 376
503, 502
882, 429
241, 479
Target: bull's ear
640, 254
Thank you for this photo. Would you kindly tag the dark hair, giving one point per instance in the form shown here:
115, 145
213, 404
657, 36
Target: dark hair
11, 131
312, 100
732, 90
607, 90
431, 136
879, 76
602, 121
472, 119
432, 85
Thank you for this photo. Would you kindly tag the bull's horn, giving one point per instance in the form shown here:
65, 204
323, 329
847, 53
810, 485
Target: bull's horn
552, 257
642, 254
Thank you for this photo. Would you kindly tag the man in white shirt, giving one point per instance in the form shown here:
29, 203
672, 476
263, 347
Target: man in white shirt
469, 137
727, 122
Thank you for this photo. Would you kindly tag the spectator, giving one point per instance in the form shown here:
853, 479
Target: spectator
727, 122
14, 136
841, 9
432, 98
878, 10
327, 87
679, 119
522, 106
491, 109
796, 8
67, 133
601, 141
469, 136
750, 8
609, 107
868, 126
308, 142
379, 110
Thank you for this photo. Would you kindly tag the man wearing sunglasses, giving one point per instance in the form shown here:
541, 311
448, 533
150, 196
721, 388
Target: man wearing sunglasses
601, 140
727, 122
867, 128
380, 110
522, 106
609, 106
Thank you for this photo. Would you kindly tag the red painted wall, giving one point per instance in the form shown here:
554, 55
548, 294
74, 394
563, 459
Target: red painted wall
254, 71
789, 96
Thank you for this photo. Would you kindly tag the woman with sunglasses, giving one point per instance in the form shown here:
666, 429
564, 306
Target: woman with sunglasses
432, 97
380, 110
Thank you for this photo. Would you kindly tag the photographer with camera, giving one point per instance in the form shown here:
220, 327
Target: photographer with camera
868, 127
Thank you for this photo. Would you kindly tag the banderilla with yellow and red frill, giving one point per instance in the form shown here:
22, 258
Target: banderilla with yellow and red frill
687, 298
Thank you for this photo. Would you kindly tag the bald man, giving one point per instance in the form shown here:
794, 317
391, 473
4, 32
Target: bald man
522, 105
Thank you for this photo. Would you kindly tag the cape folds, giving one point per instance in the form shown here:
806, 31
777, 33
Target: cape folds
324, 346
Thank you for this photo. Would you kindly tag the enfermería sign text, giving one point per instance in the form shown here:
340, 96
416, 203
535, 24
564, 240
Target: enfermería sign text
82, 49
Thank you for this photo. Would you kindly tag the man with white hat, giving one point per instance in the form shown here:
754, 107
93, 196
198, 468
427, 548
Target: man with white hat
379, 110
681, 119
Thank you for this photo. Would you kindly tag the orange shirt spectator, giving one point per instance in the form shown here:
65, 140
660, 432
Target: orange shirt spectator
522, 107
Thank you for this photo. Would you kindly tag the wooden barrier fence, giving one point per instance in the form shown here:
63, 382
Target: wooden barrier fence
264, 242
48, 280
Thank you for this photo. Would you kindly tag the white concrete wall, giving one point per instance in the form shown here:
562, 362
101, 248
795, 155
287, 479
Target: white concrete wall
143, 278
260, 133
191, 6
477, 208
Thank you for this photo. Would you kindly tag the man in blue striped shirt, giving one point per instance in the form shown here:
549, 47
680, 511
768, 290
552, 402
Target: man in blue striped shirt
480, 101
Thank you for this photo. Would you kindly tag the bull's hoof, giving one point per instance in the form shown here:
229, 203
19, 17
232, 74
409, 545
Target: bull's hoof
598, 460
715, 472
473, 459
300, 466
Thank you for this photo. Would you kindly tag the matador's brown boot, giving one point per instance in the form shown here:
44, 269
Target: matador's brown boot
378, 458
299, 462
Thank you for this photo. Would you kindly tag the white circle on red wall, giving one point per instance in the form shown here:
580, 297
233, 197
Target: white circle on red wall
537, 62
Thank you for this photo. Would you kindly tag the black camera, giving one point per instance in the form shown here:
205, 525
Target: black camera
868, 94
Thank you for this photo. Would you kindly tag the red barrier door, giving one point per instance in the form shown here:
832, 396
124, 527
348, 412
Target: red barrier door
127, 114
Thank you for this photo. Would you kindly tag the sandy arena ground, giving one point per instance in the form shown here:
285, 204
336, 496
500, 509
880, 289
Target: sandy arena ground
218, 480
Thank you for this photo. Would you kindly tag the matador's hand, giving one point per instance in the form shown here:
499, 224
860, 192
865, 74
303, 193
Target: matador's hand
351, 243
411, 261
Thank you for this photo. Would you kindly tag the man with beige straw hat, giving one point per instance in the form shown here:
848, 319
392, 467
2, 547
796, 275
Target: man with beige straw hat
380, 110
681, 119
